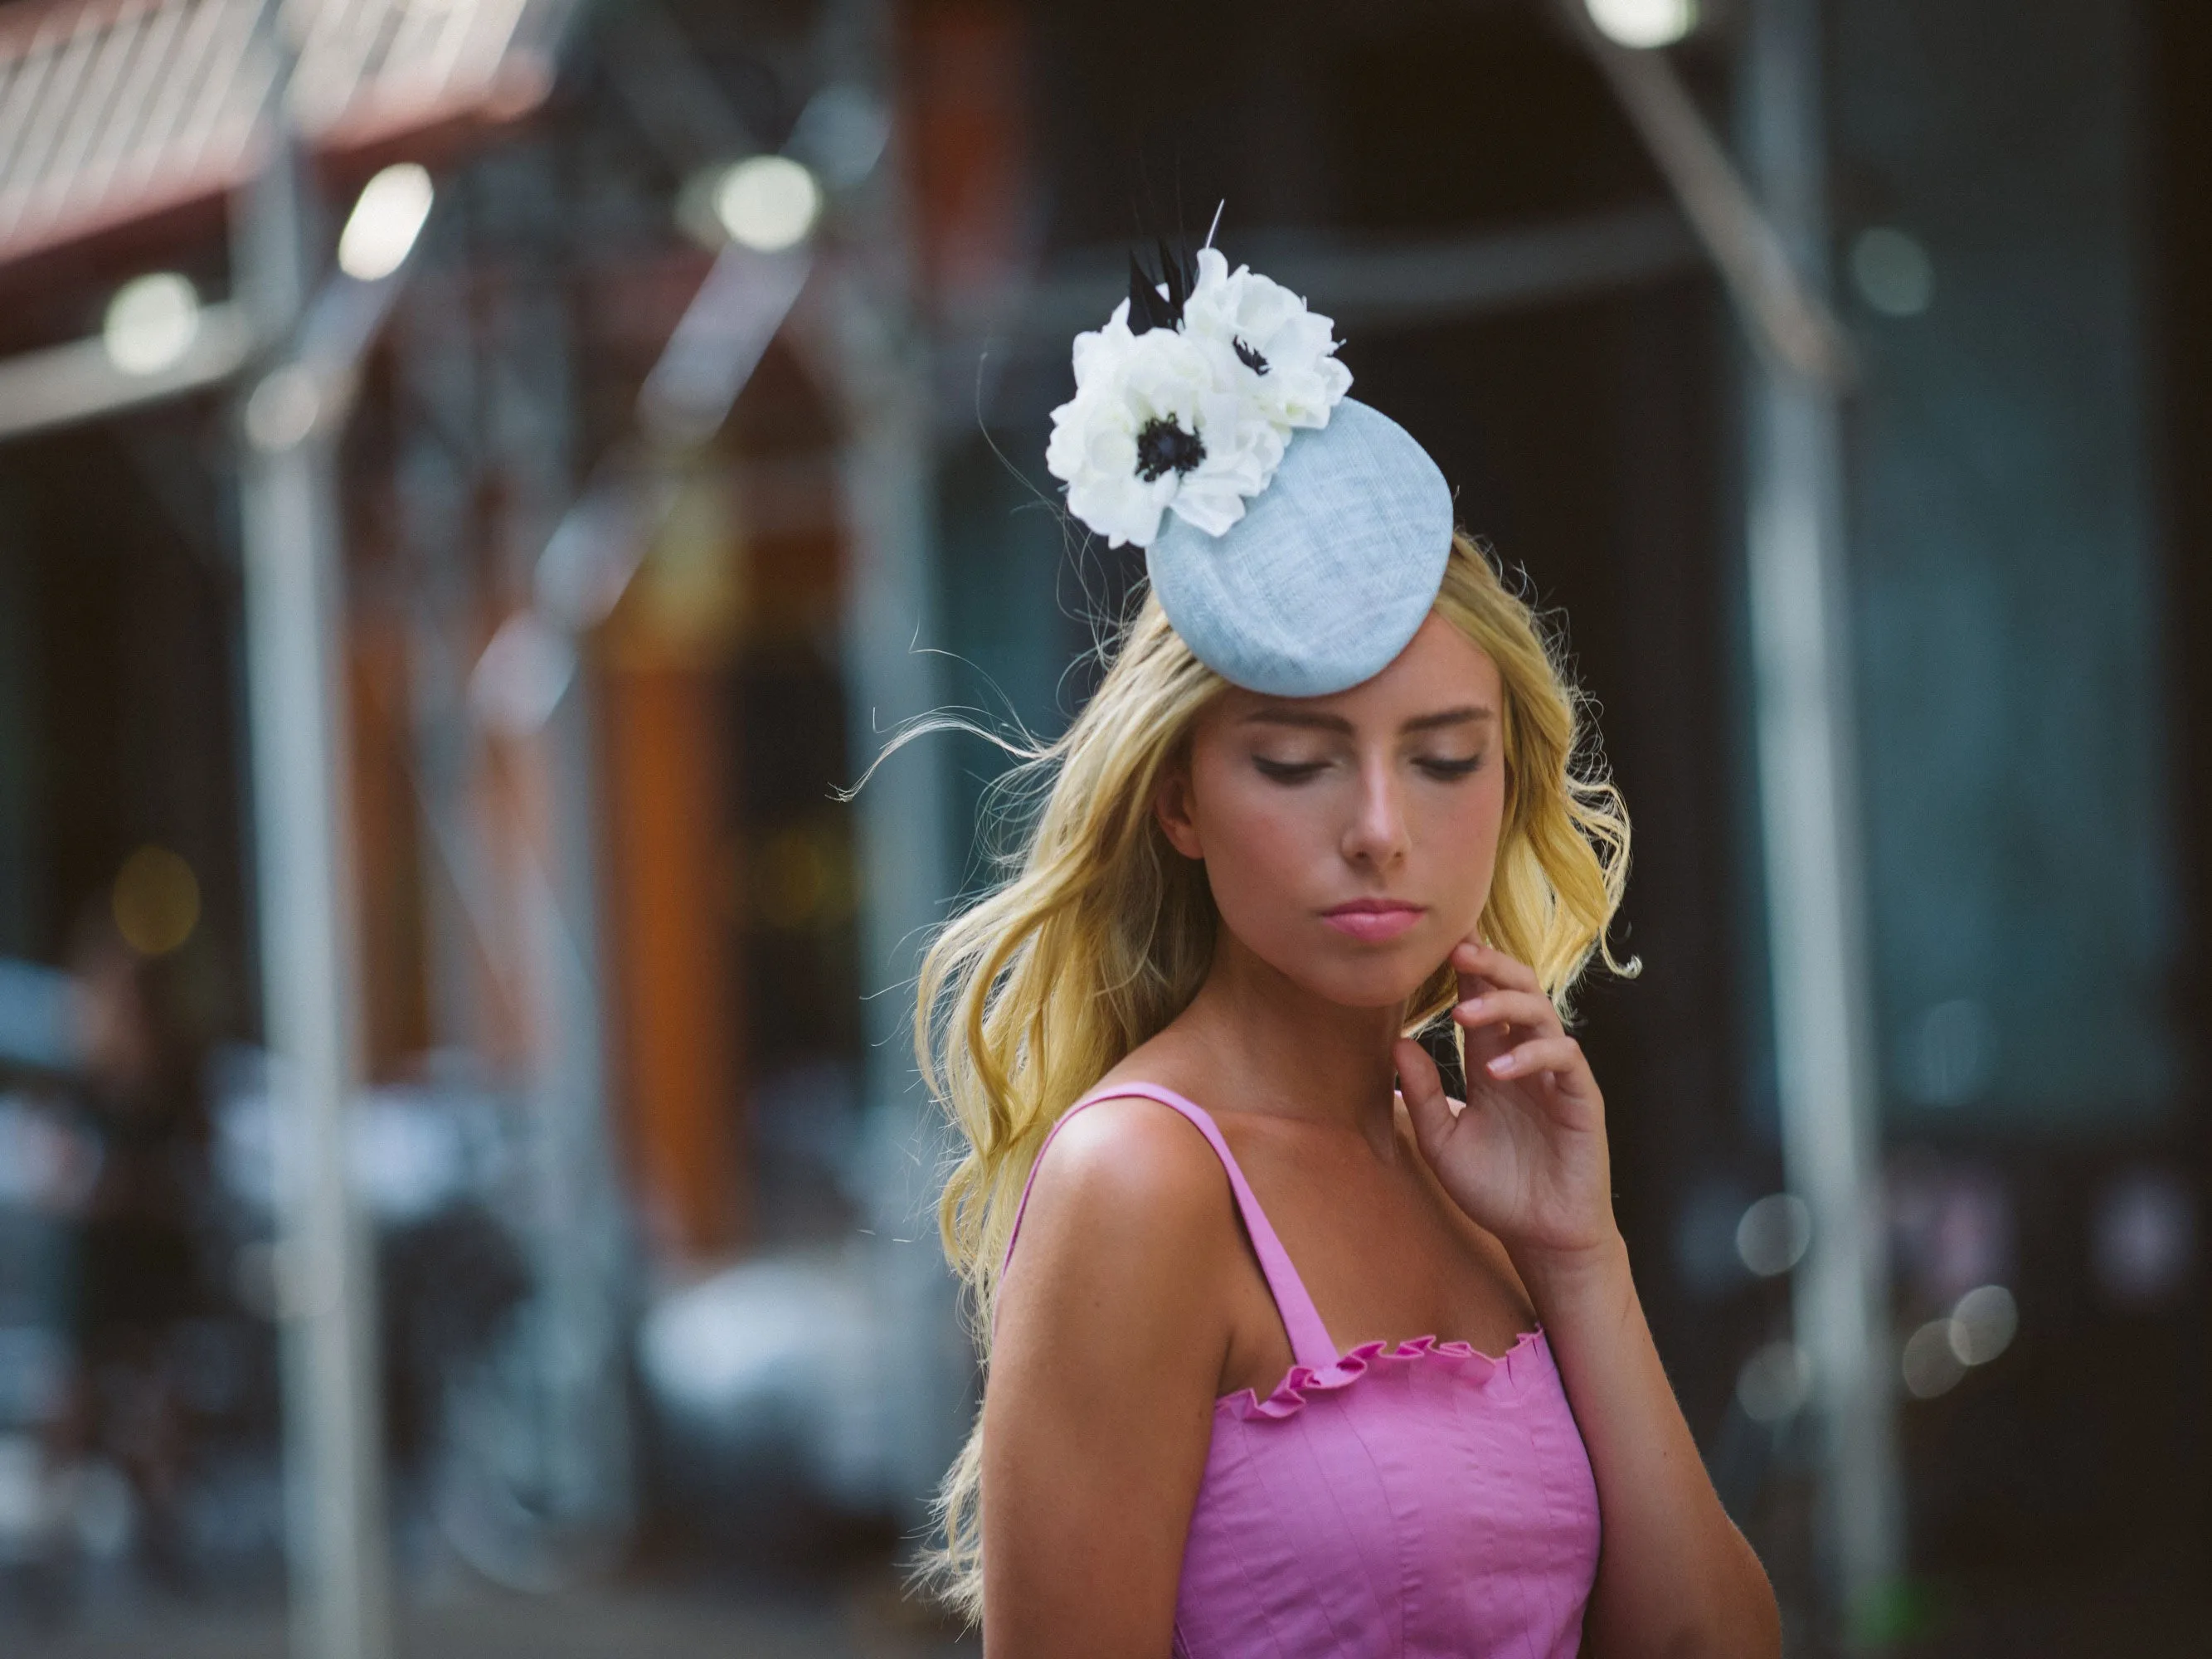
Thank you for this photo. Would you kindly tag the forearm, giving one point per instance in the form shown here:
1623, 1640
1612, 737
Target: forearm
1674, 1576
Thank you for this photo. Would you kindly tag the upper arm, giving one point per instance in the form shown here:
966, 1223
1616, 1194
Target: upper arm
1111, 1331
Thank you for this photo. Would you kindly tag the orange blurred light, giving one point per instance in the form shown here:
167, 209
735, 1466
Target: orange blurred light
155, 901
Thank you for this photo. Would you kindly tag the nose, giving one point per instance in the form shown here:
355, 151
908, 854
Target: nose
1376, 834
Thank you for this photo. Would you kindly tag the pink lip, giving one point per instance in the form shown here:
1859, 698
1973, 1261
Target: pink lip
1373, 920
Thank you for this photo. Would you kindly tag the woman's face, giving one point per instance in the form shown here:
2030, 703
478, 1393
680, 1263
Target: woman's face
1349, 839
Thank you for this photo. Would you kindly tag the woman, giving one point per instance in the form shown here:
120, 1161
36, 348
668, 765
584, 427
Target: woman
1289, 1353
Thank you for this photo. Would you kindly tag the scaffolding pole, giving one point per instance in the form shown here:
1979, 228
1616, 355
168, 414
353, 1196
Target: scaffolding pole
870, 334
1815, 885
293, 589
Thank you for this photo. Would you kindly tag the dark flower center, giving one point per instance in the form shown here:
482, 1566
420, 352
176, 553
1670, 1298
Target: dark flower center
1251, 359
1163, 447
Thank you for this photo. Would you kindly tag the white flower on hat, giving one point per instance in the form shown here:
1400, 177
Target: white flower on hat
1156, 425
1190, 409
1281, 358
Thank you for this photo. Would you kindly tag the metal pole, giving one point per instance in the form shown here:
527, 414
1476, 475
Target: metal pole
906, 878
532, 685
872, 335
1809, 805
581, 1242
341, 1591
435, 370
583, 1246
1784, 311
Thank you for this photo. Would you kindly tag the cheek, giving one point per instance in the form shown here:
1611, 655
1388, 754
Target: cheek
1457, 842
1475, 816
1261, 840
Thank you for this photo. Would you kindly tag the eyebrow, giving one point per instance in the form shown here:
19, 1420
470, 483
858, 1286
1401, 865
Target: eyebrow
1312, 721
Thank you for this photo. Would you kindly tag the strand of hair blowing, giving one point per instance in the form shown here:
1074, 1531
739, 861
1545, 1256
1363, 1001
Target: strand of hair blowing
1101, 933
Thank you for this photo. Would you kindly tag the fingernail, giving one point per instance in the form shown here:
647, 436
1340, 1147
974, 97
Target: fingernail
1500, 1066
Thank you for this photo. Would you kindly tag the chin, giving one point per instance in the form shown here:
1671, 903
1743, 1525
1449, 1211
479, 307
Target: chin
1377, 983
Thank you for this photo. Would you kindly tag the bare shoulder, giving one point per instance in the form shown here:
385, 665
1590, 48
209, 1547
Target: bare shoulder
1098, 1405
1129, 1169
1126, 1254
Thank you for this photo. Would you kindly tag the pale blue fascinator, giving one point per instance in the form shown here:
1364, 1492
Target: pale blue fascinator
1296, 539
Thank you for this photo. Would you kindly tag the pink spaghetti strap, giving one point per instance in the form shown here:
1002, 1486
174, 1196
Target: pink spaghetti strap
1311, 1345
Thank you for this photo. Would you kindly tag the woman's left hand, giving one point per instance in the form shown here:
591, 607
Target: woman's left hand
1525, 1158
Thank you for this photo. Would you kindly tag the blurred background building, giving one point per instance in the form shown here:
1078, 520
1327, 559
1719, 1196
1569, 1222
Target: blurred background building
661, 388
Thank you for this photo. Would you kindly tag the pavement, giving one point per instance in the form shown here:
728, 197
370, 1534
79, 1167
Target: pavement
865, 1621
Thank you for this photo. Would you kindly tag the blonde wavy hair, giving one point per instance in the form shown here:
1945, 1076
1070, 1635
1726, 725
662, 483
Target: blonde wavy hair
1100, 932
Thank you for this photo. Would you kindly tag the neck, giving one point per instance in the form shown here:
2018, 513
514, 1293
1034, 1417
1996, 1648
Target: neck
1297, 1055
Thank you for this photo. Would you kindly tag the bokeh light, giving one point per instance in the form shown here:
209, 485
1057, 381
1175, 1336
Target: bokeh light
1892, 272
1774, 1233
1983, 1324
386, 218
767, 203
1644, 23
1931, 1365
1775, 1383
151, 323
155, 901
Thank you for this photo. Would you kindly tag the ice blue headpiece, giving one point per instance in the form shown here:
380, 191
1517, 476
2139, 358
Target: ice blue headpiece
1296, 539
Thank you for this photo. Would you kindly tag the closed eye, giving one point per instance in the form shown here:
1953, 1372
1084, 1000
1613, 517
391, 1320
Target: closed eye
1444, 771
1450, 771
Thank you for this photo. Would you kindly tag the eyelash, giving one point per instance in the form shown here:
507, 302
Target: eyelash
1444, 771
1452, 771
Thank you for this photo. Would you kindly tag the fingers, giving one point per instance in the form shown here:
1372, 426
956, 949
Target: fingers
1474, 959
1523, 1008
1560, 1056
1422, 1086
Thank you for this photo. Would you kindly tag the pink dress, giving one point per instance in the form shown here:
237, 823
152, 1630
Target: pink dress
1421, 1500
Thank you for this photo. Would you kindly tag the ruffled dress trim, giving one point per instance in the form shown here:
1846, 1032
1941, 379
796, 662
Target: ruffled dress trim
1464, 1361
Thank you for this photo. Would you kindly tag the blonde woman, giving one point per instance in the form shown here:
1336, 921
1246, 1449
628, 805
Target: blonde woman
1289, 1354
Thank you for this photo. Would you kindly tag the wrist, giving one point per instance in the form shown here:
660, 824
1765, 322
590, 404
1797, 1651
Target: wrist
1558, 1279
